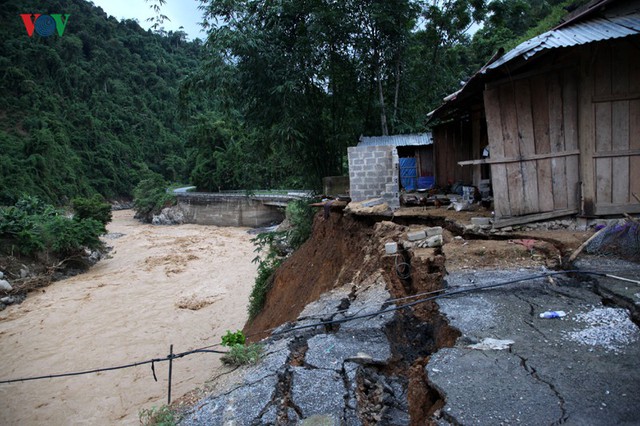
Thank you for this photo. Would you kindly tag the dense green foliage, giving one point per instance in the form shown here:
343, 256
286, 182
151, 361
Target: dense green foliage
272, 100
32, 226
295, 82
92, 208
151, 196
90, 110
510, 22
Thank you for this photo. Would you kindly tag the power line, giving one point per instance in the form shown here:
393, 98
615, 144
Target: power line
118, 367
206, 349
439, 296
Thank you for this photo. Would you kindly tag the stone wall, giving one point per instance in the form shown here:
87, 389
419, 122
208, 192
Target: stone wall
373, 173
227, 210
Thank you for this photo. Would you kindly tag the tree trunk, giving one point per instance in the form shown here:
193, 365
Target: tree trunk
383, 112
396, 94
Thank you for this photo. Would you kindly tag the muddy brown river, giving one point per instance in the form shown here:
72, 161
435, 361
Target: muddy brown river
182, 285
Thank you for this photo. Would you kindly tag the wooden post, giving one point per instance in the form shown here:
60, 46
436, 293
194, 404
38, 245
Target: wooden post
170, 368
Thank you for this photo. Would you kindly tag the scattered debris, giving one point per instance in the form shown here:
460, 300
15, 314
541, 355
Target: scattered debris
608, 328
489, 343
553, 314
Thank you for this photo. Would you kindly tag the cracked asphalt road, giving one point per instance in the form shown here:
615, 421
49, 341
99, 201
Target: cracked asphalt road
509, 366
316, 377
581, 369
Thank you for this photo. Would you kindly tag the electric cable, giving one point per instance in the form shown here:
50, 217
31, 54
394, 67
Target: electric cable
444, 294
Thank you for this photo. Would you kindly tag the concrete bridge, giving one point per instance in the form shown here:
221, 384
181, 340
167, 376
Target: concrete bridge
236, 208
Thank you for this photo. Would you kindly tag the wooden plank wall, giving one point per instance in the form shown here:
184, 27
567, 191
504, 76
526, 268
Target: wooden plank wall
533, 141
452, 143
616, 116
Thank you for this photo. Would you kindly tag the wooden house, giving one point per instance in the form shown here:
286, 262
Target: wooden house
554, 123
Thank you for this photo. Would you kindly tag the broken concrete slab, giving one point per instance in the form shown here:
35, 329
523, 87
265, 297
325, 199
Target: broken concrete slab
325, 399
509, 394
313, 376
416, 235
329, 351
241, 406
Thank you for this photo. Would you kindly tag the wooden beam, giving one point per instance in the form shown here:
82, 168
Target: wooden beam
609, 209
585, 130
532, 157
626, 153
519, 220
616, 97
512, 78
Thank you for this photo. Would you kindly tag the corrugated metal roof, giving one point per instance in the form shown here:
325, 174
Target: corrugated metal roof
580, 33
397, 140
623, 23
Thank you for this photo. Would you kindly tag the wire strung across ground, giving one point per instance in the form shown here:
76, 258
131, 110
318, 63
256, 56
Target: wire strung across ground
118, 367
440, 296
443, 294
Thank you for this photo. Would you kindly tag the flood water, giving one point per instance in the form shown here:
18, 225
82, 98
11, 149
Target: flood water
182, 285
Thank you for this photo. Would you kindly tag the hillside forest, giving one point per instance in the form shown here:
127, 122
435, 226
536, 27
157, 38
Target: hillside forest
271, 99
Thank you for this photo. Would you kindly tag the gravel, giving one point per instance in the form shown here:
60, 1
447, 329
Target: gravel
608, 328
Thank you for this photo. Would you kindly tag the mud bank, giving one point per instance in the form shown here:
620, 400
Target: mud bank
183, 285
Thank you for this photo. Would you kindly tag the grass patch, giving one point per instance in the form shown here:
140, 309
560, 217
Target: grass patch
242, 355
158, 416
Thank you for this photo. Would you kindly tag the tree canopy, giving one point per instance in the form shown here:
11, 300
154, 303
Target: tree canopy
93, 110
273, 98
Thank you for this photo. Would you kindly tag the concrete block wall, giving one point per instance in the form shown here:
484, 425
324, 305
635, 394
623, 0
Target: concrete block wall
373, 173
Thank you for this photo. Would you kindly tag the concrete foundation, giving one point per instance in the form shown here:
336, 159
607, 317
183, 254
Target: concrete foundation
228, 210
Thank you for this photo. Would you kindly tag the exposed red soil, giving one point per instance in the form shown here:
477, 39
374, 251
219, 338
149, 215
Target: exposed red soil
341, 250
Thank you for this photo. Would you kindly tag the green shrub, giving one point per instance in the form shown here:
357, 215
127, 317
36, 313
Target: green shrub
92, 208
275, 247
300, 215
153, 416
151, 196
267, 243
242, 355
65, 236
231, 338
32, 226
32, 205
